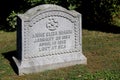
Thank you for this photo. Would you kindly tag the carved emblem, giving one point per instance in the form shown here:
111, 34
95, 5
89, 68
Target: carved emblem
52, 24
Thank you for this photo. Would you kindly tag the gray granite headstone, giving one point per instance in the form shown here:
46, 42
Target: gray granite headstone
49, 37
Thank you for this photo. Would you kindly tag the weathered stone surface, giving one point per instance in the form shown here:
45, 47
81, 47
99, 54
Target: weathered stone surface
49, 37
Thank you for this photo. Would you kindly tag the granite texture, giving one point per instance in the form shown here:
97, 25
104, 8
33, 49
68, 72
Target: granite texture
48, 37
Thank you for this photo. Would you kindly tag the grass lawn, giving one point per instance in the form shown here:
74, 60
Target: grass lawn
101, 49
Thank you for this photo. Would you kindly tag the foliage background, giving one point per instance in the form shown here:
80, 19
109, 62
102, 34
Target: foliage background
95, 12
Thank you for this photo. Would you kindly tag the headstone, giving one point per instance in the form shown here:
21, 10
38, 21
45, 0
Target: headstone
48, 37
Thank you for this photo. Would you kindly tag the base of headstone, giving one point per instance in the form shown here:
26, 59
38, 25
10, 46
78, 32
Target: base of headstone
49, 62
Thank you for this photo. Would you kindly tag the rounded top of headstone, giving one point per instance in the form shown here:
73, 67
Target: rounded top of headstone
34, 10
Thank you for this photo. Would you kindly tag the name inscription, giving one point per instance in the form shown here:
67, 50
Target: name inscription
55, 40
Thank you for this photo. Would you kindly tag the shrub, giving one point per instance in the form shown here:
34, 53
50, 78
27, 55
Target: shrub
97, 11
12, 19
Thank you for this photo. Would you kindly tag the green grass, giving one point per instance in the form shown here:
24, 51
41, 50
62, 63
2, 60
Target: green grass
101, 49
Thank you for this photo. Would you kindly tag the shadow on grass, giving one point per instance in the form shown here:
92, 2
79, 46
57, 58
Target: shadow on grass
8, 56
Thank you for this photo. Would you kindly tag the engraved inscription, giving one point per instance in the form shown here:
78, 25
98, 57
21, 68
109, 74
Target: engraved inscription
52, 40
